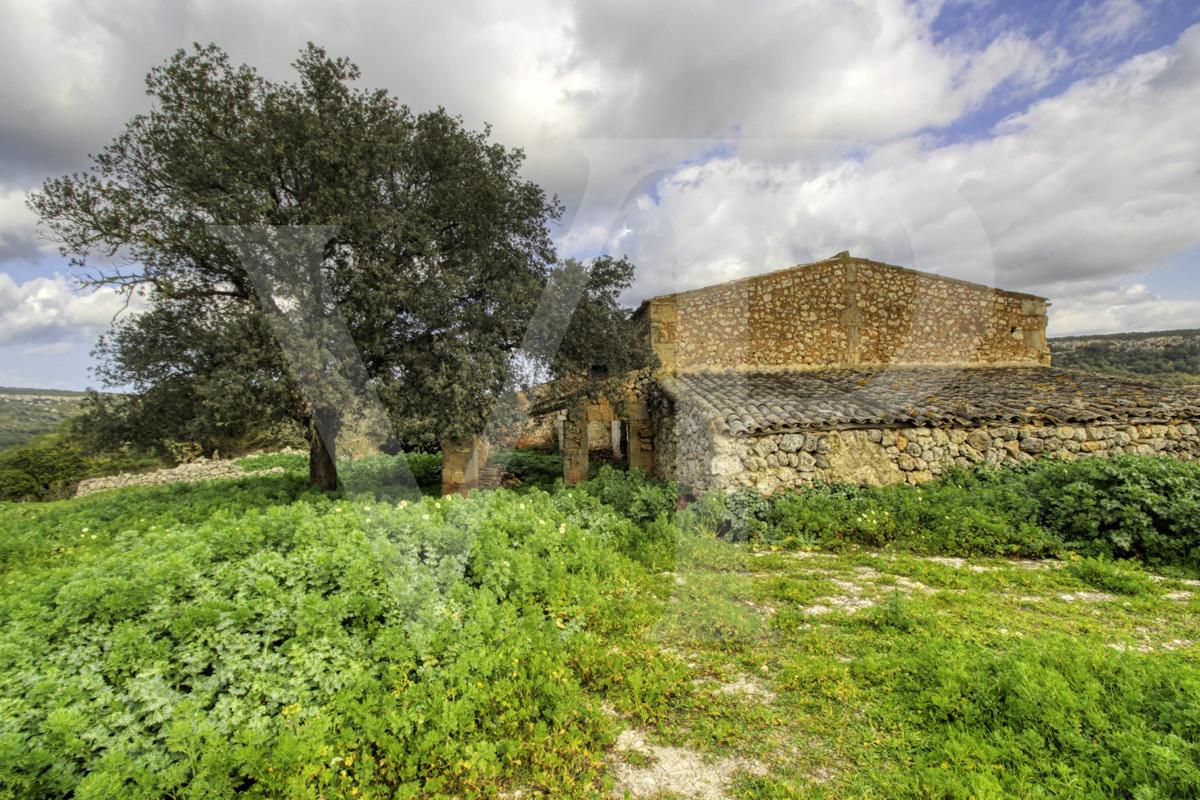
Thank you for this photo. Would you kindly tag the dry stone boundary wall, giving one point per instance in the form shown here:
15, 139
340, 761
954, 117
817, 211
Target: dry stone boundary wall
199, 470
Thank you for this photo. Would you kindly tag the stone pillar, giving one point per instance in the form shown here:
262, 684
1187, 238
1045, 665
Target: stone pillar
641, 439
461, 459
575, 447
615, 437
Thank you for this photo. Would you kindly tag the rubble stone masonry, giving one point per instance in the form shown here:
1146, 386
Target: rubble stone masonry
846, 311
906, 454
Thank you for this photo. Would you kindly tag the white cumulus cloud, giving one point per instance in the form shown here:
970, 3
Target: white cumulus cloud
1115, 307
44, 311
1098, 182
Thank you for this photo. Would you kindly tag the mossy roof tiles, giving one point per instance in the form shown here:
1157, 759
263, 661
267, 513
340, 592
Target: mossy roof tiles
751, 403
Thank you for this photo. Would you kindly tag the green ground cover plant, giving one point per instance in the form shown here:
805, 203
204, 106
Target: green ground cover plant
254, 637
1119, 577
283, 643
1046, 717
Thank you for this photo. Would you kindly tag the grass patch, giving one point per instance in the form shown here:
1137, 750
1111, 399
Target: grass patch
1119, 577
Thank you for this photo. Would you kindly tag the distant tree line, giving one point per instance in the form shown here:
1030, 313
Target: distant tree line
1176, 364
1134, 336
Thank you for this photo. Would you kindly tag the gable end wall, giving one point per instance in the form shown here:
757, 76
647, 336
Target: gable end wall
845, 312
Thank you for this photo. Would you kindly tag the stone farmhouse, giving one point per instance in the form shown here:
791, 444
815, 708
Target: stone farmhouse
855, 370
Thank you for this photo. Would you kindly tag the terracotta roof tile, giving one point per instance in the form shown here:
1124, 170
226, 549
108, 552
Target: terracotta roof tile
761, 402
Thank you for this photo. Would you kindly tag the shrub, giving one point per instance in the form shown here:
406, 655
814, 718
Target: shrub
38, 472
533, 466
651, 543
736, 516
392, 477
1140, 507
426, 469
631, 494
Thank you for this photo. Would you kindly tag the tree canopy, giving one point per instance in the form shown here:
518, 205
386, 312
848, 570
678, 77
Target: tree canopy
427, 257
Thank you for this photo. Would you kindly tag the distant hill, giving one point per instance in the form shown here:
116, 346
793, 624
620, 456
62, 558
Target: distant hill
26, 413
25, 392
1161, 356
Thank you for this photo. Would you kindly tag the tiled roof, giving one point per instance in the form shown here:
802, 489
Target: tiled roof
763, 402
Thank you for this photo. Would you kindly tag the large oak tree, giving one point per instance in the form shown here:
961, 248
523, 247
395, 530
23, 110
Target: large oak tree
430, 250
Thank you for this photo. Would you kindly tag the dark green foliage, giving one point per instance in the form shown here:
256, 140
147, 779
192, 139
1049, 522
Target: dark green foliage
429, 255
531, 465
33, 473
18, 484
49, 467
746, 511
630, 512
802, 518
582, 335
426, 469
1140, 507
734, 517
967, 512
1126, 507
1051, 714
391, 477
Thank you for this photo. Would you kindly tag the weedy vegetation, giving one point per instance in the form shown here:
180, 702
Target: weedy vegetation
254, 637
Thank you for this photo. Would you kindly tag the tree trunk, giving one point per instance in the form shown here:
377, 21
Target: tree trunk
322, 470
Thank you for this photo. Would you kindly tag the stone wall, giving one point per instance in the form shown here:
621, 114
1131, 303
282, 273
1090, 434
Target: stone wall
845, 311
664, 456
902, 454
199, 470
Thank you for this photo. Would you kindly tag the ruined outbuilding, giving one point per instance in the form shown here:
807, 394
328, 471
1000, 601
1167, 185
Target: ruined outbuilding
855, 370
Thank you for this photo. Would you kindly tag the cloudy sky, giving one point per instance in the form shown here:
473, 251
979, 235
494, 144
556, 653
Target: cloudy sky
1042, 146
